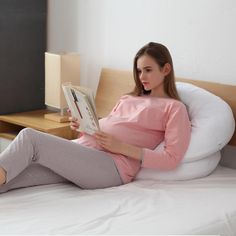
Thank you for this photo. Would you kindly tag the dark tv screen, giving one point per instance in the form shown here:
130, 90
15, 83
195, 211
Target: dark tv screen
22, 47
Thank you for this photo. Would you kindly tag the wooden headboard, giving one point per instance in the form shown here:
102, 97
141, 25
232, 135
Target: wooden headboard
115, 83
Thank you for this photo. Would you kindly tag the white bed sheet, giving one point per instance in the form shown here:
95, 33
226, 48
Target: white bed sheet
201, 206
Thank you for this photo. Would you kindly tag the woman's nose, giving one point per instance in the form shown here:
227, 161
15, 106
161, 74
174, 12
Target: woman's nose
141, 75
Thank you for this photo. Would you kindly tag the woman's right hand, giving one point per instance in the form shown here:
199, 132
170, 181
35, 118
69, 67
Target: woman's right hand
74, 122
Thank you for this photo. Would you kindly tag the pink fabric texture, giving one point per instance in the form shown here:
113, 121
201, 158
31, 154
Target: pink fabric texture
145, 122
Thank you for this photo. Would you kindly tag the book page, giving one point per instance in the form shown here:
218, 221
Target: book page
89, 93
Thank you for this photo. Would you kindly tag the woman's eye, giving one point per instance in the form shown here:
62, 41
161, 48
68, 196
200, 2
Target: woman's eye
148, 70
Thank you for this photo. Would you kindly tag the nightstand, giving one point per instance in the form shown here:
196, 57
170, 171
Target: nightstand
11, 124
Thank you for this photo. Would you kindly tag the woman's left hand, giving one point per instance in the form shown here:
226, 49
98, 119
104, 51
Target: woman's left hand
108, 142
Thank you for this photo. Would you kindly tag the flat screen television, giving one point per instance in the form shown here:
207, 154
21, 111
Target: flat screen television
22, 47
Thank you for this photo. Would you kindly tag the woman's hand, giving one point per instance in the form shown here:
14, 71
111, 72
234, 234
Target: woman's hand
112, 144
108, 142
74, 122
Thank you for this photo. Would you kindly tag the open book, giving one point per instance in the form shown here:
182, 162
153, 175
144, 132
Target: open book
81, 103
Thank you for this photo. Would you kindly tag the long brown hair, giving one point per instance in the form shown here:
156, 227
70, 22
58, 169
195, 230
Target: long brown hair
162, 56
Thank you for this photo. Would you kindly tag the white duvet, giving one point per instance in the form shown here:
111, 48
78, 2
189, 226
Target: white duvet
201, 206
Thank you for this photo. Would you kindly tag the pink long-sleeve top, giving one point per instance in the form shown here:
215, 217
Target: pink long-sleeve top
145, 122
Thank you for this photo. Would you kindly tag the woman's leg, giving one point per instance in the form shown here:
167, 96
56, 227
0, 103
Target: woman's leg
86, 167
33, 175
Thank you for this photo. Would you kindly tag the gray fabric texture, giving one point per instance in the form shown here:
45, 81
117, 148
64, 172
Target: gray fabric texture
35, 158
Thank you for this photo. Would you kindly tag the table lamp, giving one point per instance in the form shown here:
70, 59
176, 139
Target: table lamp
59, 68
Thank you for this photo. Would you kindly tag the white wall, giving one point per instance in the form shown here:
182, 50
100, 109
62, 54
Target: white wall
200, 34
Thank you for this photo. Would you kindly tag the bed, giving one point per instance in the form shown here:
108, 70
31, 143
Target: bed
202, 206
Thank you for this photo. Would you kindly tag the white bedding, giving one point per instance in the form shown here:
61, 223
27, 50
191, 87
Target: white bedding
201, 206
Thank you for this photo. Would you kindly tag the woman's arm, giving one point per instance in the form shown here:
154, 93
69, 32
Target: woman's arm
176, 141
110, 143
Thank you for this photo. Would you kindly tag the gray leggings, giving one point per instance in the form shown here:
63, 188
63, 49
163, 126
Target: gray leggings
36, 158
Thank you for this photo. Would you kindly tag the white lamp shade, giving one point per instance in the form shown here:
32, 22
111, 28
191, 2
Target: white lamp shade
59, 68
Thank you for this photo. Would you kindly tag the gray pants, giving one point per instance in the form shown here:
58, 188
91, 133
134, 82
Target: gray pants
35, 158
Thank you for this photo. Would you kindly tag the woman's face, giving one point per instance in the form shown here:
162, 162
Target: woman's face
152, 75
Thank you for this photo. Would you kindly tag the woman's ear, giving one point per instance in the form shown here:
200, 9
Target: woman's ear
166, 69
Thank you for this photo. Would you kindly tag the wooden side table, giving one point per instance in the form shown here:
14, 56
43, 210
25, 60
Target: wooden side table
11, 124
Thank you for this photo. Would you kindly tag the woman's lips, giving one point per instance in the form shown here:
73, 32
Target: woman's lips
145, 83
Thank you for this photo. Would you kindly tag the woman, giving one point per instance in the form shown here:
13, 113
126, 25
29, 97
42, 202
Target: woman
138, 123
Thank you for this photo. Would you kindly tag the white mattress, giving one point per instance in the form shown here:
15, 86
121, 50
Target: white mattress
201, 206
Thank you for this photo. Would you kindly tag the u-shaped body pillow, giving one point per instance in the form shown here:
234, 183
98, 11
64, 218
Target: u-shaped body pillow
189, 170
212, 127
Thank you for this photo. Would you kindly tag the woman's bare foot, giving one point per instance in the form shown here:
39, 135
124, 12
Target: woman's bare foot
2, 176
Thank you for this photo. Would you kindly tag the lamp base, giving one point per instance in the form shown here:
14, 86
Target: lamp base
57, 117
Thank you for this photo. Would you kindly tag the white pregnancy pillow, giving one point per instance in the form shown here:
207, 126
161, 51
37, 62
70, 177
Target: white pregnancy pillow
212, 127
184, 171
211, 118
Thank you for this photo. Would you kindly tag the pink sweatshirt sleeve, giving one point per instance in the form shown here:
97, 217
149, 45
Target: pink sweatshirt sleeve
176, 141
